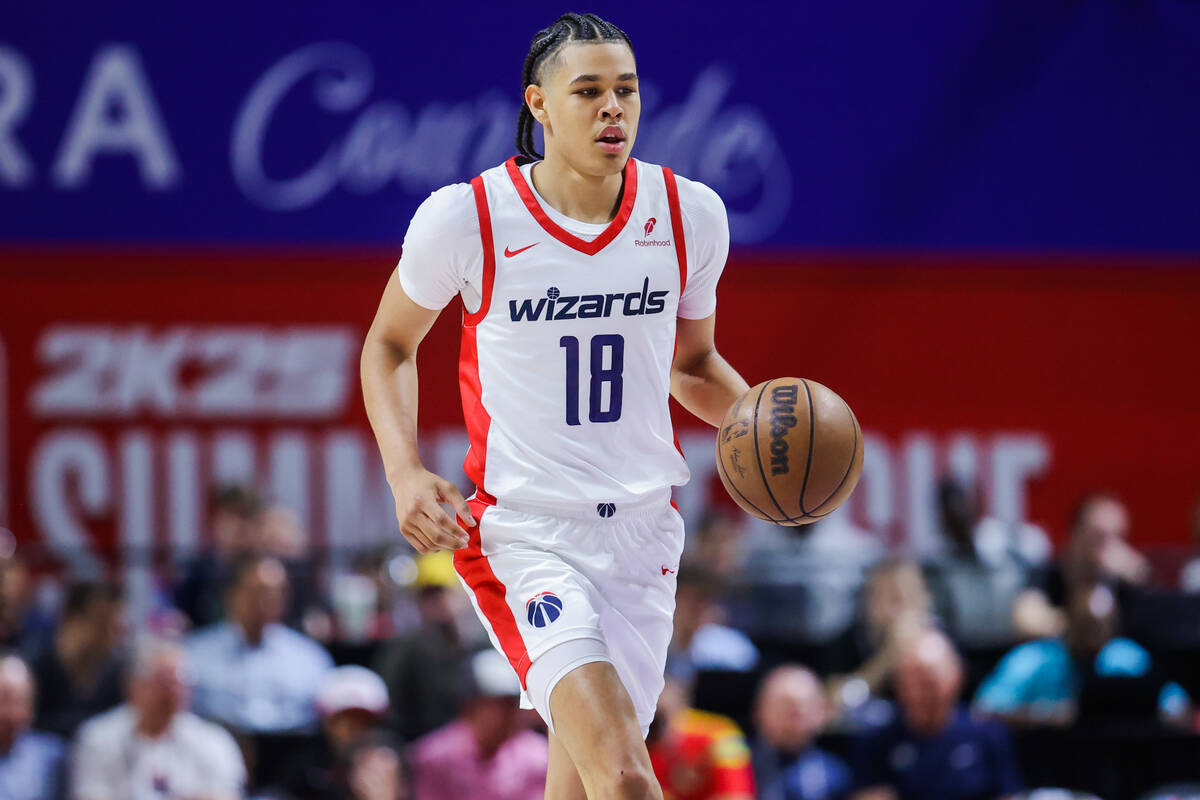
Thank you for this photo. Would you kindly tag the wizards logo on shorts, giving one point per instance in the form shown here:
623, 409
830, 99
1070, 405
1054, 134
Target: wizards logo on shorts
543, 608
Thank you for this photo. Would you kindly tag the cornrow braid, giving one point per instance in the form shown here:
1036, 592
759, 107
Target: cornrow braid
546, 43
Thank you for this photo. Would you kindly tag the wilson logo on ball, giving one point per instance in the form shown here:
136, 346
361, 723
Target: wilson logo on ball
543, 608
783, 418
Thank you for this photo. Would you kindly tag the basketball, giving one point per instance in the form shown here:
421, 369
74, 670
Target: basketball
789, 451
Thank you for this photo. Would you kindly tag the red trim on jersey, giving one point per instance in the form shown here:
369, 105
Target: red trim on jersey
476, 417
489, 253
564, 236
490, 592
676, 227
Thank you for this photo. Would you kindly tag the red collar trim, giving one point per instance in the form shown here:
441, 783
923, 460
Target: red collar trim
564, 236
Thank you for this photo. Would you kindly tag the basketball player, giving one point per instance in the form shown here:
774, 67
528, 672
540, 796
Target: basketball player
588, 280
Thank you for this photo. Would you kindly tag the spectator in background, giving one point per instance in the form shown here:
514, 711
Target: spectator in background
353, 758
983, 566
254, 674
152, 747
933, 748
1045, 681
1098, 552
896, 609
699, 636
234, 532
31, 763
789, 712
24, 628
696, 755
79, 672
488, 751
426, 669
1189, 576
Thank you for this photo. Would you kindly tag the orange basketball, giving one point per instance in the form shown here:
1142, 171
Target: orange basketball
790, 451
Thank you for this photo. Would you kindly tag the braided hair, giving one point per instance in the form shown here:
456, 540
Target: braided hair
545, 45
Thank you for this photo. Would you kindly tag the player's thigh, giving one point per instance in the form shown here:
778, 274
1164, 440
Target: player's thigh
562, 779
595, 721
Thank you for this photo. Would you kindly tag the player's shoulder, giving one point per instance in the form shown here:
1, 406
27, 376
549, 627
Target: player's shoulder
450, 206
700, 204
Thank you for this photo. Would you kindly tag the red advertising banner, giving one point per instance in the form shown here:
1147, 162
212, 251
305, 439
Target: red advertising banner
133, 380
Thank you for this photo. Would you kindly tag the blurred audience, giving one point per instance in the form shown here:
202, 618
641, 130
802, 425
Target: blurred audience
24, 627
426, 669
234, 531
696, 755
700, 636
489, 750
933, 748
1189, 576
789, 712
983, 566
253, 673
151, 746
353, 759
1045, 681
32, 763
79, 672
896, 609
1098, 552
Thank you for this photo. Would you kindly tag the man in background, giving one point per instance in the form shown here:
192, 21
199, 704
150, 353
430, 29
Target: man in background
253, 673
353, 757
234, 532
426, 669
79, 673
1098, 553
789, 712
31, 762
489, 750
152, 747
696, 755
933, 748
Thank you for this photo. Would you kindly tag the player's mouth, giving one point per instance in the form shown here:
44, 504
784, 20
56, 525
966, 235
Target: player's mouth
611, 139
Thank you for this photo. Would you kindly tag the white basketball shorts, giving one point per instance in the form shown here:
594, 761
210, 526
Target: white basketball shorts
573, 587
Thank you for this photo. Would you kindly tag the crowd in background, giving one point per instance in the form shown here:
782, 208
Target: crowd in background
806, 664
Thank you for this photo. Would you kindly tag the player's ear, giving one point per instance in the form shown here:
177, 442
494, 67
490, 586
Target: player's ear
535, 98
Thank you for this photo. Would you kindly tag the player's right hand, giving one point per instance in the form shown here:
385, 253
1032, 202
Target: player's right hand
424, 523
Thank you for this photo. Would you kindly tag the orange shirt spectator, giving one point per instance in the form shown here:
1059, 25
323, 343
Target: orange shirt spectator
702, 756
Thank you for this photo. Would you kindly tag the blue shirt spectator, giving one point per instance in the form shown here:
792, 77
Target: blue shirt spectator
1041, 680
968, 759
31, 762
934, 748
252, 673
791, 709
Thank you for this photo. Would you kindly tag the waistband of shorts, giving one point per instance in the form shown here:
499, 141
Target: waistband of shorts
596, 512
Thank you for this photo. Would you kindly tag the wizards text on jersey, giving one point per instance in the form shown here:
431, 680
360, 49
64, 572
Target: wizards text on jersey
556, 305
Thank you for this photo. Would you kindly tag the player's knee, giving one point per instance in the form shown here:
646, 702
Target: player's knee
634, 782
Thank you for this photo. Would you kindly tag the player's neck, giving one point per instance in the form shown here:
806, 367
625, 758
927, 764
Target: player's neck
586, 198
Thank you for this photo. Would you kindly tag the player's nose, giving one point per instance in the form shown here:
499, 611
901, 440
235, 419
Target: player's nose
612, 107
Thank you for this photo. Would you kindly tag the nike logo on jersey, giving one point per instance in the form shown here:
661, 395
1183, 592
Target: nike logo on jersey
510, 253
556, 305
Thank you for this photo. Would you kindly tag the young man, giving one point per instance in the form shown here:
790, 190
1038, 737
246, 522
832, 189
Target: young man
588, 281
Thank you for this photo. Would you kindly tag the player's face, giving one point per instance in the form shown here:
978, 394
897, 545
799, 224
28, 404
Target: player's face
589, 106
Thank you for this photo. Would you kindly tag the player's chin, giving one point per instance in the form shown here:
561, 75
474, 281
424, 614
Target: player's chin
608, 159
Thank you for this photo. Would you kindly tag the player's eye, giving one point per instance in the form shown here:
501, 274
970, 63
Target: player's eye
626, 90
590, 92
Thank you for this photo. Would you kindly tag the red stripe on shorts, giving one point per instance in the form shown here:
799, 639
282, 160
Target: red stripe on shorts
490, 592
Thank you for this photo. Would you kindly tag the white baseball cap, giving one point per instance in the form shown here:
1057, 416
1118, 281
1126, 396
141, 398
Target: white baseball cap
351, 687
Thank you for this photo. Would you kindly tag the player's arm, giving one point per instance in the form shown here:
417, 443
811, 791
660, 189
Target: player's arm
388, 369
701, 379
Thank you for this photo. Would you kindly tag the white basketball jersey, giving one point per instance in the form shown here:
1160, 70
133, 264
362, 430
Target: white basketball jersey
565, 366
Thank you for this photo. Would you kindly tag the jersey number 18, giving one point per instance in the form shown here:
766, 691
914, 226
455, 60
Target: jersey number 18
614, 344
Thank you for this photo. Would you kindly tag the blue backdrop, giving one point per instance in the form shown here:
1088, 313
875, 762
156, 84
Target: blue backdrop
997, 124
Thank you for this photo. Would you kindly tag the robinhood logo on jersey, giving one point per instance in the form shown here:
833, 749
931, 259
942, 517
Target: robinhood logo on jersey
556, 305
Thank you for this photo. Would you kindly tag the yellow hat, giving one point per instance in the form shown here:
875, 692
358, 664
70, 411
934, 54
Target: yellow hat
436, 569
